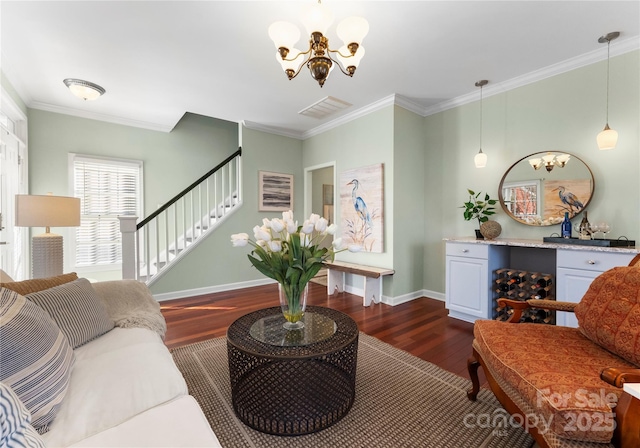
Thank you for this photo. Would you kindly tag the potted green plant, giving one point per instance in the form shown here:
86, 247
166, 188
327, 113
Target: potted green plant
476, 208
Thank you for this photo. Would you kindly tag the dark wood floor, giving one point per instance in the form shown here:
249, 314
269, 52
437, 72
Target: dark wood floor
420, 327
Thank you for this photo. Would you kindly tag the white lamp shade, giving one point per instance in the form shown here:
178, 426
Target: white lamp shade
480, 159
353, 60
47, 211
548, 159
317, 18
352, 30
607, 139
535, 163
294, 64
562, 159
284, 34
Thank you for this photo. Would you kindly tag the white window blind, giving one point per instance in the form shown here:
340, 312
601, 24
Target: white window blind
107, 188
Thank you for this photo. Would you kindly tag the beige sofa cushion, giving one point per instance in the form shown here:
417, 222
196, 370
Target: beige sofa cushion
39, 284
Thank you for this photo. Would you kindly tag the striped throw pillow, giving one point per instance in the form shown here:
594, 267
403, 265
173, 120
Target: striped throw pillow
77, 309
36, 357
15, 422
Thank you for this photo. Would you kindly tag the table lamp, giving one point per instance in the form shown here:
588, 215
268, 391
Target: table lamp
47, 211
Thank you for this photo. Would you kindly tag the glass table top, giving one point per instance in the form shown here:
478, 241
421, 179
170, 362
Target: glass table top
269, 330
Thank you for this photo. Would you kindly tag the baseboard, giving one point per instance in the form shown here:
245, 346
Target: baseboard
161, 297
210, 289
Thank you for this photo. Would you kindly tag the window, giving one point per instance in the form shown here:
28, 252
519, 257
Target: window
522, 199
107, 188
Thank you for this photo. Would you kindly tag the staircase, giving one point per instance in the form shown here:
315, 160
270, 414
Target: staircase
157, 243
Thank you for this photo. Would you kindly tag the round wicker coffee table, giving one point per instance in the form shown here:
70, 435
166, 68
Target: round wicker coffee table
292, 382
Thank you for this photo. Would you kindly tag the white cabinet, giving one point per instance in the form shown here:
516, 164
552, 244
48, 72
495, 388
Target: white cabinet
470, 267
576, 270
469, 271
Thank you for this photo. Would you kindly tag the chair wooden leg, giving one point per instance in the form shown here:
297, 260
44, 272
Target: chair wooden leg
472, 366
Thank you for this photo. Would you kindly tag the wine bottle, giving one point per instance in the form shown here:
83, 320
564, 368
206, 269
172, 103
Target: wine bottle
585, 228
565, 227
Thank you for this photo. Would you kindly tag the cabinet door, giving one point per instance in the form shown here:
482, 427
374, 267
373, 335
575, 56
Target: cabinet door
571, 285
467, 291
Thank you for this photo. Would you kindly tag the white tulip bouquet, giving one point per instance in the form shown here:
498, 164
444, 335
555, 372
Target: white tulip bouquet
291, 254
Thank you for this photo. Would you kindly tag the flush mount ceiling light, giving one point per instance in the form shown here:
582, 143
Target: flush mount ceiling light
607, 138
481, 158
549, 161
84, 89
320, 58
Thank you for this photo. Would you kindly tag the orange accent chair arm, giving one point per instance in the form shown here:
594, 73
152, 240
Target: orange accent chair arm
618, 376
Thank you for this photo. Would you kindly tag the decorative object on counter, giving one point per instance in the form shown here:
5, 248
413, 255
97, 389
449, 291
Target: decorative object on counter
584, 229
542, 199
602, 228
522, 285
476, 208
490, 229
620, 242
565, 227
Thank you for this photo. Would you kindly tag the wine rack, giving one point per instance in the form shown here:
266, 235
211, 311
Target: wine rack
522, 285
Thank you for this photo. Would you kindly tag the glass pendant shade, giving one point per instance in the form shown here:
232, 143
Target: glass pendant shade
317, 18
284, 34
290, 65
607, 139
535, 163
350, 61
480, 159
352, 30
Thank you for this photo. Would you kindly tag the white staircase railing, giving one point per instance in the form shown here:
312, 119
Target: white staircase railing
154, 245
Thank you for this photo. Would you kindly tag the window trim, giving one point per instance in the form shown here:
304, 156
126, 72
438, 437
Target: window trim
72, 158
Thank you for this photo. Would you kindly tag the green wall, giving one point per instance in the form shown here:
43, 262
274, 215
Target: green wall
365, 141
172, 161
215, 261
561, 113
428, 166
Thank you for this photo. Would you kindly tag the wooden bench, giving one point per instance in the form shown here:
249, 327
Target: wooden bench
372, 279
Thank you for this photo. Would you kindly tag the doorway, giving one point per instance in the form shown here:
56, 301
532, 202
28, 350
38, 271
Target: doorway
14, 243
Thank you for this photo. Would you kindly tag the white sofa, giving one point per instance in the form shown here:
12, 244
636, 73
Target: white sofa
124, 387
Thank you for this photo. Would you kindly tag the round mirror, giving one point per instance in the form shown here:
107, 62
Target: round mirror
540, 188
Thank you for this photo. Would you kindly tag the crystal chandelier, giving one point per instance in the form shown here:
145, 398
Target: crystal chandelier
319, 58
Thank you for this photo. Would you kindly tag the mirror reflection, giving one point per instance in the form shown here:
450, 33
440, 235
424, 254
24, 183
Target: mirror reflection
540, 188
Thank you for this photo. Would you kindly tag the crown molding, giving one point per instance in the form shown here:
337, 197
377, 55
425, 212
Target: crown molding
583, 60
375, 106
273, 130
100, 117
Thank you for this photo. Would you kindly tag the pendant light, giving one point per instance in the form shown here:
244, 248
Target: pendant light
608, 138
481, 158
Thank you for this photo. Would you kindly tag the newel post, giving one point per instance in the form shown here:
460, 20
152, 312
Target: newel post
128, 230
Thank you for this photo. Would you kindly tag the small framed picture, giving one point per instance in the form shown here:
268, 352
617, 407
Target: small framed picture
275, 192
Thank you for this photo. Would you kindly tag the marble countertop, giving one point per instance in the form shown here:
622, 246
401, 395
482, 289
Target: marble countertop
516, 242
632, 389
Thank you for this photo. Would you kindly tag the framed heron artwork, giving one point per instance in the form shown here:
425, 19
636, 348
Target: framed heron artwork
568, 195
361, 207
275, 192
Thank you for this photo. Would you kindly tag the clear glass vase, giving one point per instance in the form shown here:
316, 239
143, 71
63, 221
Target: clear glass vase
293, 301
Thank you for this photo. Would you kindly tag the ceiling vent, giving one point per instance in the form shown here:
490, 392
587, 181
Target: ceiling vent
325, 107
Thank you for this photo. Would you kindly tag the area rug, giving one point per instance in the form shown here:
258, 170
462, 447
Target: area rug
401, 401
